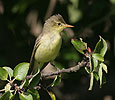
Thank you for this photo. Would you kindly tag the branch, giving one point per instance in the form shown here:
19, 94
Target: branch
69, 70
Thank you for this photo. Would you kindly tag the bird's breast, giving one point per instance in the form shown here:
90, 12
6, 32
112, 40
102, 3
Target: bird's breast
48, 48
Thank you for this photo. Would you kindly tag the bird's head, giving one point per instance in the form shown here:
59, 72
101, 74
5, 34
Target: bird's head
56, 23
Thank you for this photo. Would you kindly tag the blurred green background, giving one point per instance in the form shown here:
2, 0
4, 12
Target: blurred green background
21, 22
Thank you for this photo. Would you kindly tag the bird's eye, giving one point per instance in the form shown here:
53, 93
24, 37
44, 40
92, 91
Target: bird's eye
59, 24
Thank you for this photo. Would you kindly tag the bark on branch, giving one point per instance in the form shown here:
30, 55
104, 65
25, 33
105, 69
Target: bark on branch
69, 70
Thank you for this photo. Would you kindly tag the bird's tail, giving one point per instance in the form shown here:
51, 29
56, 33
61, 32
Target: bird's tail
37, 67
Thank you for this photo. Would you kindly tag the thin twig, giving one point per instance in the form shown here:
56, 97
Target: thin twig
69, 70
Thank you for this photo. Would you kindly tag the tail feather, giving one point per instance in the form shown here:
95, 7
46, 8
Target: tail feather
35, 68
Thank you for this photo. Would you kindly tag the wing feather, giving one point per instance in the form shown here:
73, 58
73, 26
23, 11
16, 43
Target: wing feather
37, 43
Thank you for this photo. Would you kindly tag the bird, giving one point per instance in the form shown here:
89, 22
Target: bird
48, 43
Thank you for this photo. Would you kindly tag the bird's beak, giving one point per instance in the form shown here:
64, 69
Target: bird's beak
66, 25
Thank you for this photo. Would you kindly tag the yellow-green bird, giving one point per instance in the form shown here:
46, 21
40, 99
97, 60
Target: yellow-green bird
48, 43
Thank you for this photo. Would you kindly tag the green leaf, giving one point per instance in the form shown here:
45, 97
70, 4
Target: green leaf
34, 80
5, 96
21, 70
52, 96
94, 62
97, 56
100, 73
104, 67
91, 82
79, 45
25, 96
9, 70
34, 94
95, 74
101, 47
56, 81
3, 74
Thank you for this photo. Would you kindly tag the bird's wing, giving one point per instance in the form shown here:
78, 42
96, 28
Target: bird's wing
37, 43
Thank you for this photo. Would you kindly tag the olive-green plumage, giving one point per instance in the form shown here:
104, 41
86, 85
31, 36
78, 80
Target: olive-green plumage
48, 43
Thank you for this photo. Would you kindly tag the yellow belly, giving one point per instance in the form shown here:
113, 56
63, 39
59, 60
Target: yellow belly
48, 49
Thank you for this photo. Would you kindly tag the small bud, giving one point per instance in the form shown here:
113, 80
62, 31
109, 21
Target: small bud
89, 50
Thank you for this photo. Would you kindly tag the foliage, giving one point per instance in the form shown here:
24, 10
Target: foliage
19, 20
94, 68
96, 59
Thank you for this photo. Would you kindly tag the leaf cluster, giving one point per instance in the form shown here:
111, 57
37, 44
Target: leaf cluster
96, 65
28, 88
